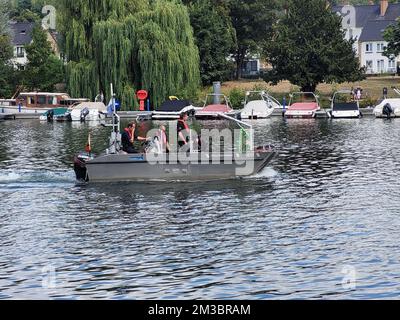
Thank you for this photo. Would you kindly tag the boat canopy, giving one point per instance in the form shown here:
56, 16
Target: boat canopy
174, 105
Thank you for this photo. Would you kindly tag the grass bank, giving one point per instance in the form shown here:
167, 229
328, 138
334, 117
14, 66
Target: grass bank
372, 90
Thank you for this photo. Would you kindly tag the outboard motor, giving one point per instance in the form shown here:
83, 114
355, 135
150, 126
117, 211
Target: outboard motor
84, 114
80, 166
50, 116
387, 110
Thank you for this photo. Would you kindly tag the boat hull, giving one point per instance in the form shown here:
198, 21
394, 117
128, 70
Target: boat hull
394, 104
299, 115
197, 167
22, 110
346, 114
215, 115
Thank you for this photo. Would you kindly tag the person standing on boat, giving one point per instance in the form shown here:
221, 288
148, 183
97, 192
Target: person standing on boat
183, 130
130, 139
163, 138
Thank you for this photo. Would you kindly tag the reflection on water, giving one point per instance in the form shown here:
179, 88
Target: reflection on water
321, 222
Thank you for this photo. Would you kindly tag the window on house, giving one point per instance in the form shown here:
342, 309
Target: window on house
380, 47
369, 65
381, 66
254, 66
20, 52
368, 47
392, 64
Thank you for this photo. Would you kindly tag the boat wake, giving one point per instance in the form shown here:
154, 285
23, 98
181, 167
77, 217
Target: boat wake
21, 176
264, 174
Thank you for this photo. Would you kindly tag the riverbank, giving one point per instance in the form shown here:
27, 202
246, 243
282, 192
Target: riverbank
372, 89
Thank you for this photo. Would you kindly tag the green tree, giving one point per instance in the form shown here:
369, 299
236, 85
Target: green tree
252, 21
309, 48
4, 17
392, 36
6, 53
215, 38
44, 70
6, 70
134, 44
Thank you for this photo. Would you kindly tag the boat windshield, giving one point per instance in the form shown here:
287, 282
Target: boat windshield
303, 97
216, 99
254, 96
343, 97
344, 101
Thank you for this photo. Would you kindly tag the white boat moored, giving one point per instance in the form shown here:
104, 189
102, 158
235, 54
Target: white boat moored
259, 105
343, 105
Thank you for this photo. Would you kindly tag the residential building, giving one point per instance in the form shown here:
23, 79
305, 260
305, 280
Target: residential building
21, 37
367, 30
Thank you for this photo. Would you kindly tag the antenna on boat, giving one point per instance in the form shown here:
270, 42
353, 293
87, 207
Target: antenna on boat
115, 138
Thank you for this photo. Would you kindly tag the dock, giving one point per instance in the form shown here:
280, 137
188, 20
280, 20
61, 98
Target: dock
147, 115
323, 113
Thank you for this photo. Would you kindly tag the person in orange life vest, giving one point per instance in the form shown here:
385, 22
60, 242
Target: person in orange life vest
163, 138
130, 138
183, 130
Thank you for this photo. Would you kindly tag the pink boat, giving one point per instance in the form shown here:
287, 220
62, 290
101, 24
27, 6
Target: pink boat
215, 105
302, 105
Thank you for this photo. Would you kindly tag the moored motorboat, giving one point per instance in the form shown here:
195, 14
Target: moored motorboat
343, 105
172, 109
188, 165
214, 106
302, 105
58, 114
388, 108
88, 111
259, 105
34, 102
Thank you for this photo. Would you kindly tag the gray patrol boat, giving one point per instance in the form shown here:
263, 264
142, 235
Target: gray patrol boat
116, 165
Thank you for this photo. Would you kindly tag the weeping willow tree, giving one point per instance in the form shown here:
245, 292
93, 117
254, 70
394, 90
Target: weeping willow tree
134, 44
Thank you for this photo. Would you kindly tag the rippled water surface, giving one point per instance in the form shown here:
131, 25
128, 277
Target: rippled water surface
321, 222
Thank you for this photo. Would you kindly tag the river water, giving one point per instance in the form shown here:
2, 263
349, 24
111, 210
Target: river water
322, 222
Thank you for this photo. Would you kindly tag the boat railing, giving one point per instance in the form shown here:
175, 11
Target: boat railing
396, 90
246, 136
271, 98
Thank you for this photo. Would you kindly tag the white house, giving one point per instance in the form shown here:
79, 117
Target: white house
21, 36
366, 24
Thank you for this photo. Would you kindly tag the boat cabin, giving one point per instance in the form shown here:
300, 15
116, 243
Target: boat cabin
7, 102
41, 99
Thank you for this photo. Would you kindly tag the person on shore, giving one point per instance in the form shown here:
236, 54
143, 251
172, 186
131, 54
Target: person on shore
359, 94
131, 139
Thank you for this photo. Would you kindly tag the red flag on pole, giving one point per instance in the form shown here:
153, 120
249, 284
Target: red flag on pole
89, 145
